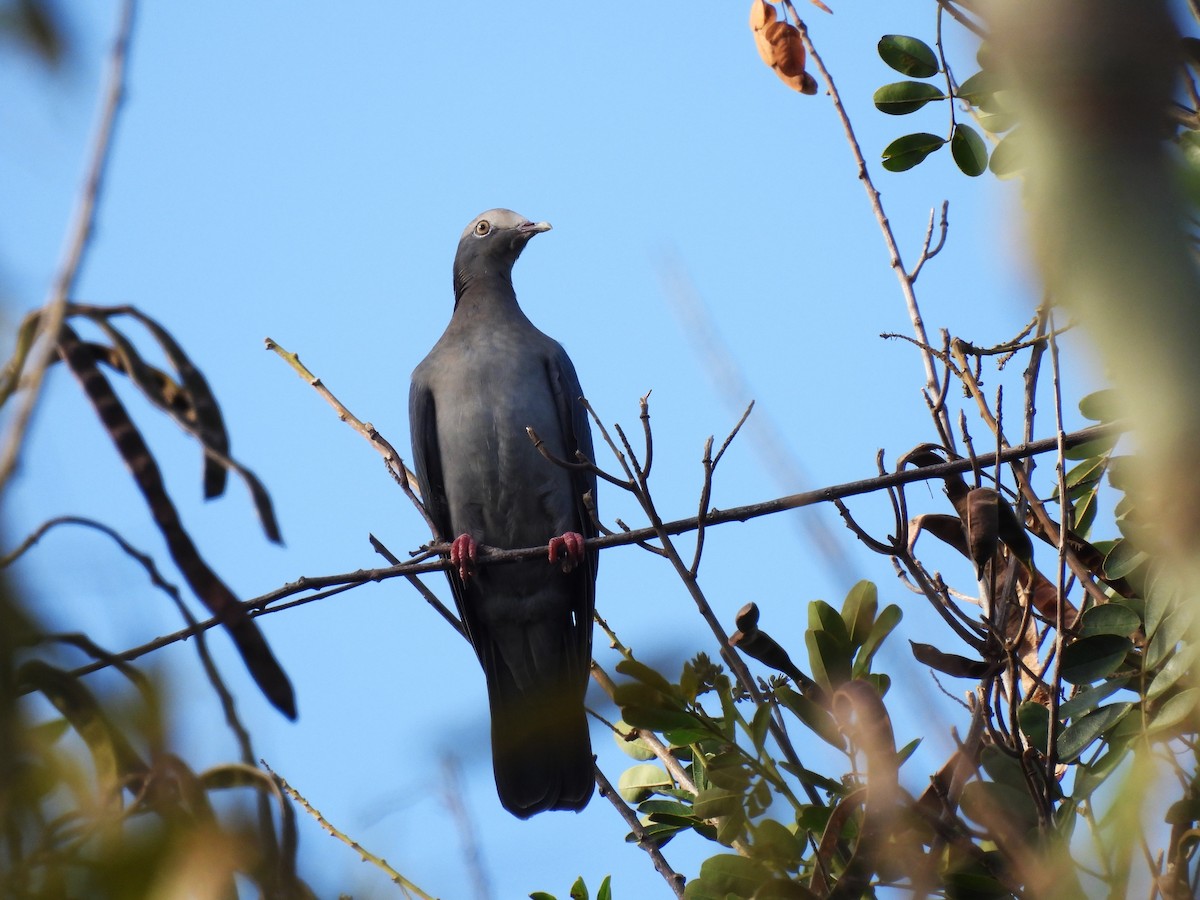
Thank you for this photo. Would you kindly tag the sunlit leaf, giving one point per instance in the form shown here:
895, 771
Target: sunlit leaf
1175, 711
638, 781
908, 55
903, 97
969, 150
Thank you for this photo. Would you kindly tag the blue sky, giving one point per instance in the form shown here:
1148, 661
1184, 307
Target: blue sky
304, 173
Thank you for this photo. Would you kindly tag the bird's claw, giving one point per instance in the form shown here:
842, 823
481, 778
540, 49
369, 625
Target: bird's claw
569, 548
463, 551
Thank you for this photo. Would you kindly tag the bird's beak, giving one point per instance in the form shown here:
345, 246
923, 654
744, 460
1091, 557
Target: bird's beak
532, 228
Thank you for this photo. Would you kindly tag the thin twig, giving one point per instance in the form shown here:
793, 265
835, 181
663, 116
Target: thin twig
673, 878
378, 861
79, 237
873, 195
394, 462
263, 604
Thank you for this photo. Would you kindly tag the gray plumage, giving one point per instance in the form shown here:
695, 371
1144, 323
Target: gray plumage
490, 376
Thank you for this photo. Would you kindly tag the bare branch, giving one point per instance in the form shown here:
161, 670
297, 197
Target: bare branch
79, 238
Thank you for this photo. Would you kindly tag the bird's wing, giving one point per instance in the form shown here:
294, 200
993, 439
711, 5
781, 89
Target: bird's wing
577, 436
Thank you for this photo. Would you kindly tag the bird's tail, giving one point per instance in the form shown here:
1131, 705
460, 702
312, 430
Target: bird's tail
541, 751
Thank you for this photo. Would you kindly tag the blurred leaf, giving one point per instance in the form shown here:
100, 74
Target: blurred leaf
908, 55
646, 675
908, 151
541, 895
1089, 777
728, 874
1167, 636
979, 90
987, 801
1176, 710
969, 151
903, 97
1092, 658
1007, 156
1079, 736
1177, 666
604, 892
638, 781
1101, 406
579, 890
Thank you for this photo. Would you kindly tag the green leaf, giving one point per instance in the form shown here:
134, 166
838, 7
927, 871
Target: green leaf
759, 726
660, 719
1095, 447
579, 890
1167, 636
1092, 658
1123, 559
541, 895
636, 747
985, 801
1079, 736
823, 617
1177, 666
969, 151
858, 611
728, 770
908, 55
884, 624
1175, 711
728, 873
903, 97
646, 675
1087, 700
1007, 156
979, 90
1111, 618
1089, 471
1088, 778
638, 781
908, 151
714, 803
604, 892
997, 122
776, 842
829, 658
1034, 720
1101, 406
818, 719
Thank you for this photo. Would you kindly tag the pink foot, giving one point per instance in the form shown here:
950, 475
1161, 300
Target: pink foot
568, 548
462, 554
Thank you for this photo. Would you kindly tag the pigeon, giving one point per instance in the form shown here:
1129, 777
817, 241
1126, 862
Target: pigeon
491, 376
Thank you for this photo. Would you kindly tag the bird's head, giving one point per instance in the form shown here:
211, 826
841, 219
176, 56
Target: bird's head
491, 244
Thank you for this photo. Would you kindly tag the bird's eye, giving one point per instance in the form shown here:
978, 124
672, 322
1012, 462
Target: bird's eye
483, 227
